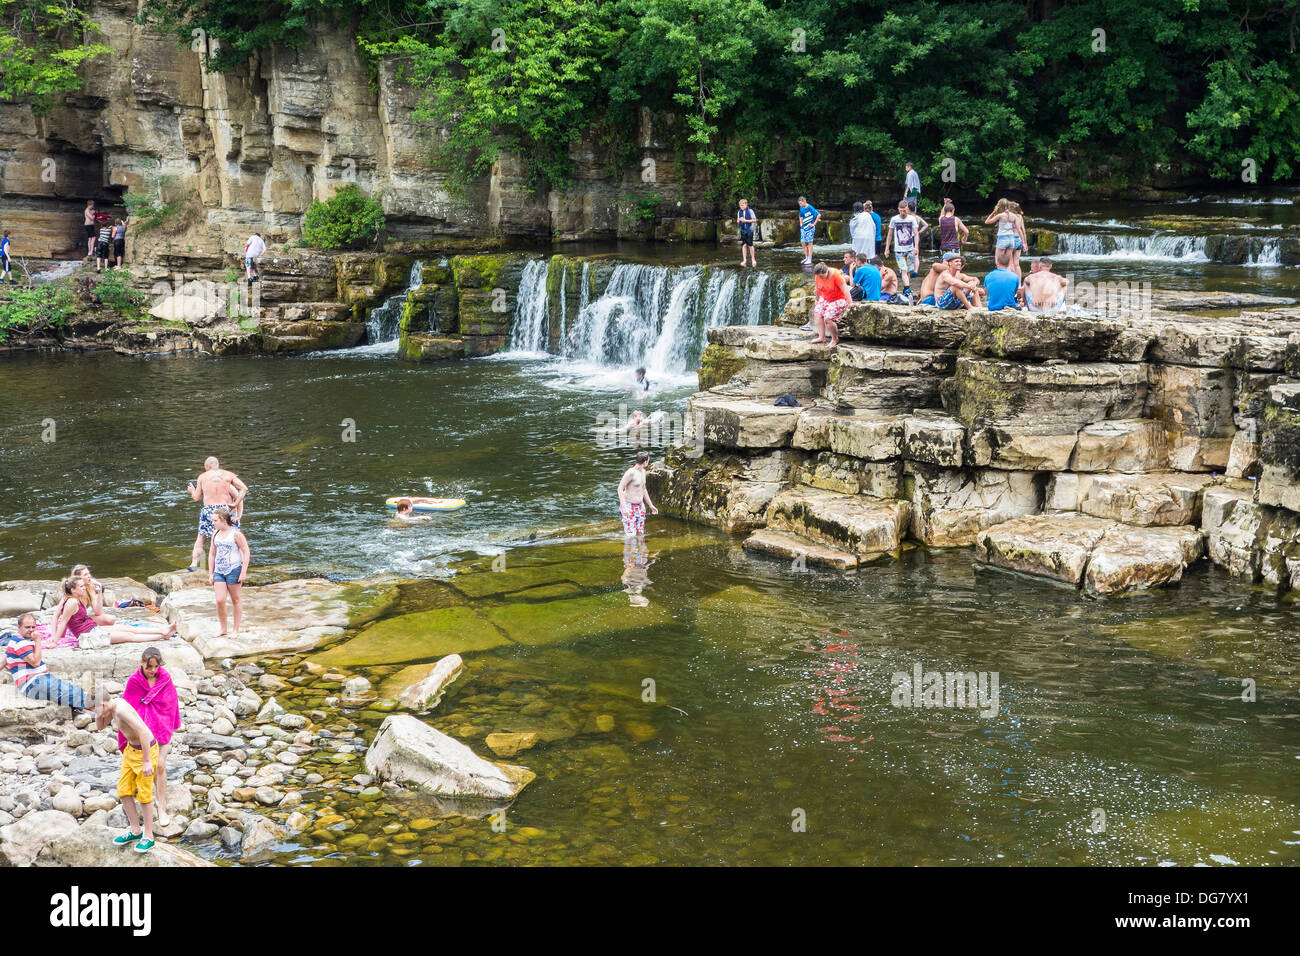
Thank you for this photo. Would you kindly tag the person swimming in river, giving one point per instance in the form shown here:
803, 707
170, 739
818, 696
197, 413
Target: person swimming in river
406, 512
638, 425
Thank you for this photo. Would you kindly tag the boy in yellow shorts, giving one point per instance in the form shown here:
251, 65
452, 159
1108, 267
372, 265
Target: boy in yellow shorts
139, 758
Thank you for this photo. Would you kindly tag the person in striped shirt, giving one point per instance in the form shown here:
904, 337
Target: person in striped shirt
30, 673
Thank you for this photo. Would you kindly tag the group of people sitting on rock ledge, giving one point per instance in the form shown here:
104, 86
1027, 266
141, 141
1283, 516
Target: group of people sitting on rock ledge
145, 715
945, 286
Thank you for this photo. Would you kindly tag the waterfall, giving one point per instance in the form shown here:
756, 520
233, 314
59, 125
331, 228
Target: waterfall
1159, 246
382, 325
1264, 252
655, 316
530, 328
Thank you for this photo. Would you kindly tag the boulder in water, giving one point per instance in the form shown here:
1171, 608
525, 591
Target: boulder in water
409, 751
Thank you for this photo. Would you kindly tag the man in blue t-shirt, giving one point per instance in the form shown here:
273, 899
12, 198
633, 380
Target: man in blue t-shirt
5, 261
1002, 284
745, 219
868, 277
808, 219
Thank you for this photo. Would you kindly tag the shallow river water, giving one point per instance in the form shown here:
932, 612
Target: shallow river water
772, 688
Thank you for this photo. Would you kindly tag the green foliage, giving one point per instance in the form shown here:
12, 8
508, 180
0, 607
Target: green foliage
147, 209
349, 220
1121, 89
30, 309
42, 45
115, 291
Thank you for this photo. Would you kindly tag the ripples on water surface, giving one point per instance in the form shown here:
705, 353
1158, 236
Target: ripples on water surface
1129, 707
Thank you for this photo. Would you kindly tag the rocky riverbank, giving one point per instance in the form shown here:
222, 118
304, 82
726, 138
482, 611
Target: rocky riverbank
245, 773
1104, 454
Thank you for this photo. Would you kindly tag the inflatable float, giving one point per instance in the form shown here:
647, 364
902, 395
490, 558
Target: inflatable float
427, 504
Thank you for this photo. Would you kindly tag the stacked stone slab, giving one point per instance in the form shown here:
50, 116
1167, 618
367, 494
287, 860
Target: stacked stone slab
1107, 454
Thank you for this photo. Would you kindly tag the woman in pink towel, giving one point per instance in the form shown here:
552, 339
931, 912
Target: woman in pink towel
152, 694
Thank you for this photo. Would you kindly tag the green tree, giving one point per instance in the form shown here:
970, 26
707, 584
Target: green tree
348, 220
42, 44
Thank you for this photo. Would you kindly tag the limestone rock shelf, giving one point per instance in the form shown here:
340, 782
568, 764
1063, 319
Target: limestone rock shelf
1105, 453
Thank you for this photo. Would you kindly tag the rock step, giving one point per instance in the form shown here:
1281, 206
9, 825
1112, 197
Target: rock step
784, 544
854, 523
1164, 499
1104, 556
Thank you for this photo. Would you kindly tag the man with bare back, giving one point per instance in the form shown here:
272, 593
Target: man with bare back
633, 497
217, 488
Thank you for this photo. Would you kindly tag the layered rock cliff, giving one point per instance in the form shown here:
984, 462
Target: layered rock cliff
1099, 453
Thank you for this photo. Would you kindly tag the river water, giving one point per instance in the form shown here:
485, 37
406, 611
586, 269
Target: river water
1119, 734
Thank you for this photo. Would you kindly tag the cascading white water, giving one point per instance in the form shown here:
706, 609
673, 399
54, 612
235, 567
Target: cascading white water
1155, 246
530, 328
655, 316
1264, 252
383, 323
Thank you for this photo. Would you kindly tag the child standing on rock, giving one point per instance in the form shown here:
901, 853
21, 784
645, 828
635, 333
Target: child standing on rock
139, 762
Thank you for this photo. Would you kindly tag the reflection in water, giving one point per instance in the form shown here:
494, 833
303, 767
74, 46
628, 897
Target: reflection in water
636, 570
839, 687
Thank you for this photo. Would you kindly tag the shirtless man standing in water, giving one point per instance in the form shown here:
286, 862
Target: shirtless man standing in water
633, 497
218, 488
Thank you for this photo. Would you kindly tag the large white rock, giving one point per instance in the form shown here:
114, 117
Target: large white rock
119, 661
407, 750
280, 617
951, 506
22, 841
1020, 448
742, 423
91, 844
13, 603
869, 438
1052, 546
853, 523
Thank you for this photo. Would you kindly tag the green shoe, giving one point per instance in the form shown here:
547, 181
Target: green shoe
126, 838
144, 846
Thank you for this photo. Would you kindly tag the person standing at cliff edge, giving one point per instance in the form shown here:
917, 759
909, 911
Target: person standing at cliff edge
746, 218
911, 187
808, 219
252, 249
5, 261
92, 228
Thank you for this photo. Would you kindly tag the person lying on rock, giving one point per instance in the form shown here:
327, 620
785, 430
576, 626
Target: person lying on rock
72, 620
31, 675
139, 760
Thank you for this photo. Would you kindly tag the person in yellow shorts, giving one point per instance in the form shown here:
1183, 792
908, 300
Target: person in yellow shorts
139, 759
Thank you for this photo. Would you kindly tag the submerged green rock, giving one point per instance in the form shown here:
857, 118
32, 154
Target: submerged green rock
558, 622
421, 636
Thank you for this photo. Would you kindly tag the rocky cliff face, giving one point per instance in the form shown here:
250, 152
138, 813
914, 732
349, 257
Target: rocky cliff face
250, 149
1103, 454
